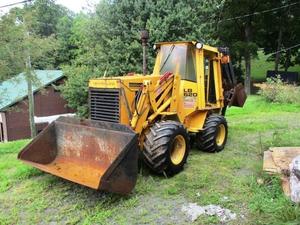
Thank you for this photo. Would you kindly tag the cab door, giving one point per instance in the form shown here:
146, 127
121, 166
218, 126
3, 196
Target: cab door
188, 88
210, 83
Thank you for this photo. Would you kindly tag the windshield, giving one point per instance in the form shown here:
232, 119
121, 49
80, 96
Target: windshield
178, 59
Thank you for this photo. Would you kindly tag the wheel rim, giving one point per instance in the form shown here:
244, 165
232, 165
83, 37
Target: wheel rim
178, 150
221, 134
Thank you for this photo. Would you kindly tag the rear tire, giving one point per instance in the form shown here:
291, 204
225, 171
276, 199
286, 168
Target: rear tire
166, 147
213, 137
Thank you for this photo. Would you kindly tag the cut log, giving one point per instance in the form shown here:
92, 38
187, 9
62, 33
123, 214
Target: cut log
278, 159
269, 165
283, 156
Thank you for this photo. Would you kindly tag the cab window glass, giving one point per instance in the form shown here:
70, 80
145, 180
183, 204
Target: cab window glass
190, 64
173, 59
178, 59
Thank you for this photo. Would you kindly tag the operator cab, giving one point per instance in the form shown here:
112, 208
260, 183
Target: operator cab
177, 58
193, 62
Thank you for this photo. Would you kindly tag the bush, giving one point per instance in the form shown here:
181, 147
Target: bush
75, 89
275, 90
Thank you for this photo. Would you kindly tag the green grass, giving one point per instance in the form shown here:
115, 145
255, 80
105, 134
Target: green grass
260, 66
28, 196
12, 171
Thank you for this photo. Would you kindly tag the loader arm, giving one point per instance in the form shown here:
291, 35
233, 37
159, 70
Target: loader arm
155, 99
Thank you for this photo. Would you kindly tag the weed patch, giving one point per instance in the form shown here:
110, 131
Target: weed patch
275, 90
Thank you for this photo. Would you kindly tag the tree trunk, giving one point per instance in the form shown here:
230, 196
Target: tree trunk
277, 57
248, 74
30, 98
248, 37
28, 75
287, 60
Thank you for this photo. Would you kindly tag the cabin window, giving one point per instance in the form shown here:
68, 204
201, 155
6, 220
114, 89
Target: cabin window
209, 80
178, 59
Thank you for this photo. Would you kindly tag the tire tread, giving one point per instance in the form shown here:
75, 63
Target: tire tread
156, 145
205, 140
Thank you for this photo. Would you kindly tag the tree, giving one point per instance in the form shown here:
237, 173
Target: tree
47, 15
52, 20
22, 49
65, 49
75, 89
240, 33
281, 31
10, 63
108, 41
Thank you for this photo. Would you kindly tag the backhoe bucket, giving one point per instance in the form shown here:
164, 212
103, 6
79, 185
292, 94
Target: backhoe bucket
96, 154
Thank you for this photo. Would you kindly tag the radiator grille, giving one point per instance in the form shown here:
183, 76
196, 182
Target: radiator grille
104, 105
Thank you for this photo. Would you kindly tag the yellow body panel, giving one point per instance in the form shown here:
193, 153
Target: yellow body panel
187, 99
160, 99
104, 83
195, 121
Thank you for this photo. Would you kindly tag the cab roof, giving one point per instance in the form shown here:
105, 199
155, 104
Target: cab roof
205, 47
175, 42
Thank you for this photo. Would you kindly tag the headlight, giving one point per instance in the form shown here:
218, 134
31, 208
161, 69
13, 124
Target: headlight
199, 45
154, 47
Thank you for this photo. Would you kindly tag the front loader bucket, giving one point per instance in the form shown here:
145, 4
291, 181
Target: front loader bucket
96, 154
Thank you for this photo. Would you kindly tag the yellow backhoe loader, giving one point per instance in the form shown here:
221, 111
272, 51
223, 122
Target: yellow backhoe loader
155, 116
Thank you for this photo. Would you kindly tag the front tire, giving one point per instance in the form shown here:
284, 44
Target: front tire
166, 147
213, 137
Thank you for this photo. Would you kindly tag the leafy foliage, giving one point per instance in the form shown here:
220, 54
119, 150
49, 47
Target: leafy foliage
17, 42
76, 88
108, 41
280, 30
44, 28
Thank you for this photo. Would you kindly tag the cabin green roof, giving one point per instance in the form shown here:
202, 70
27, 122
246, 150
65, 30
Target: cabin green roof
15, 89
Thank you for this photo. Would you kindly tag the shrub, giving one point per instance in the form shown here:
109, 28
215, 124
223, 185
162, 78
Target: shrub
275, 90
75, 89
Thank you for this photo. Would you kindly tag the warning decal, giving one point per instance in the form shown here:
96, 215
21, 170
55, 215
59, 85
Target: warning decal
189, 102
